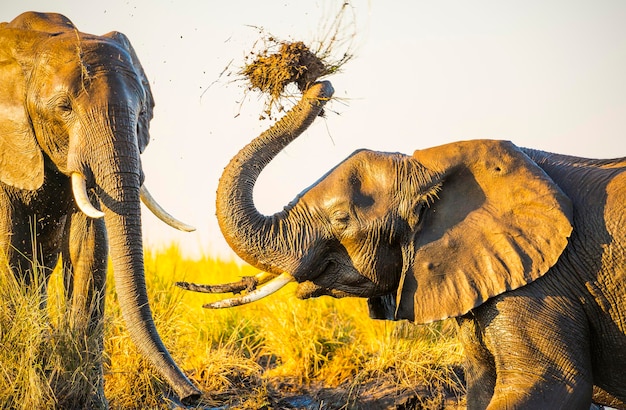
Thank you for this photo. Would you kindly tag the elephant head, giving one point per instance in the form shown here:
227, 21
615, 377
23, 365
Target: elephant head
424, 237
80, 105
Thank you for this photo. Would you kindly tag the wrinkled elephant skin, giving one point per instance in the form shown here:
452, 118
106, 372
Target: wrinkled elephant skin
527, 249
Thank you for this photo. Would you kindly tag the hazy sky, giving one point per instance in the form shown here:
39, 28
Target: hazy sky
545, 74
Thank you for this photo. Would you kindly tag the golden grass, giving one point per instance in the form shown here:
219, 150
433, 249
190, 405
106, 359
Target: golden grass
247, 357
43, 364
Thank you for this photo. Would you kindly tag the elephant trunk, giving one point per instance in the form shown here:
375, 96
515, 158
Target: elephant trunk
264, 241
118, 180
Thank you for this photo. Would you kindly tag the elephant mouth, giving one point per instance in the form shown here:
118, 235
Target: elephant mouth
325, 281
308, 289
304, 272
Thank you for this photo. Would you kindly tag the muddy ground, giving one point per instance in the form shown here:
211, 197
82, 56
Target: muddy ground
372, 397
367, 396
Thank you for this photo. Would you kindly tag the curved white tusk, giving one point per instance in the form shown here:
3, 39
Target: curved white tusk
264, 277
79, 188
160, 213
271, 287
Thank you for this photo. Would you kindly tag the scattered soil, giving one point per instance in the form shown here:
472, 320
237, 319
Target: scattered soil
271, 72
293, 63
273, 64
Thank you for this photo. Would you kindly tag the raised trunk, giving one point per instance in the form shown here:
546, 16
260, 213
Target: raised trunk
264, 241
117, 177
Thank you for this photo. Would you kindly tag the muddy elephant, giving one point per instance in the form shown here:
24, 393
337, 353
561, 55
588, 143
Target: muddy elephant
526, 249
74, 116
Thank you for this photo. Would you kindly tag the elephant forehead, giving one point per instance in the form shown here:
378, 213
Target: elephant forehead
82, 54
365, 171
366, 180
99, 75
360, 191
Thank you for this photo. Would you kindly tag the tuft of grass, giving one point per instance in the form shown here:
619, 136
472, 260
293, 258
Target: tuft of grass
248, 357
23, 380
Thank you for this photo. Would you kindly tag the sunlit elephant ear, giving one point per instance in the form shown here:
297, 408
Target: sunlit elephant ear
499, 223
143, 128
21, 160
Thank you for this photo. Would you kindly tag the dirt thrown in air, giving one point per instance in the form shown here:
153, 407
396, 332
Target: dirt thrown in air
271, 72
293, 63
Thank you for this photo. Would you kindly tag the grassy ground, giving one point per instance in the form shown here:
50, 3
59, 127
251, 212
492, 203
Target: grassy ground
278, 353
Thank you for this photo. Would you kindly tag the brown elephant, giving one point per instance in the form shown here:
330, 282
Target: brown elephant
527, 249
74, 116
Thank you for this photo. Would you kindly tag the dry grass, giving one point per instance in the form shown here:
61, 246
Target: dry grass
43, 364
251, 357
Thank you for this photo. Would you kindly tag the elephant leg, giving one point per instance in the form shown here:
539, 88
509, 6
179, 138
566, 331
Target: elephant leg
6, 228
480, 371
29, 245
85, 267
541, 351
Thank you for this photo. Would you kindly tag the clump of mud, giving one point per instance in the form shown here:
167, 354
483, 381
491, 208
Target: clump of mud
281, 63
274, 65
292, 63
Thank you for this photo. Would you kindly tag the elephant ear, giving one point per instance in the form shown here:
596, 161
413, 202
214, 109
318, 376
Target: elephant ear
21, 160
143, 127
498, 224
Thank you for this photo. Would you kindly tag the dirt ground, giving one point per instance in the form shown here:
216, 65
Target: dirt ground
372, 397
368, 396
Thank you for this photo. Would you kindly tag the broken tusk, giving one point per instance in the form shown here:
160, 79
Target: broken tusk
271, 287
160, 213
79, 188
247, 283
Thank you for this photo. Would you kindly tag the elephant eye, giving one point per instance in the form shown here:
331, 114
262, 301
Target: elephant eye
64, 105
143, 111
420, 210
340, 220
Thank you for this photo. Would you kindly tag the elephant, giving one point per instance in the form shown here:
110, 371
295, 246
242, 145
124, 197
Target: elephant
75, 110
525, 249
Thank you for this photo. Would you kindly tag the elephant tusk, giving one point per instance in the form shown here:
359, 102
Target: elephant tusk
247, 283
79, 188
263, 277
160, 213
271, 287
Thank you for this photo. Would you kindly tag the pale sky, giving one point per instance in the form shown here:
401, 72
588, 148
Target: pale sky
544, 74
